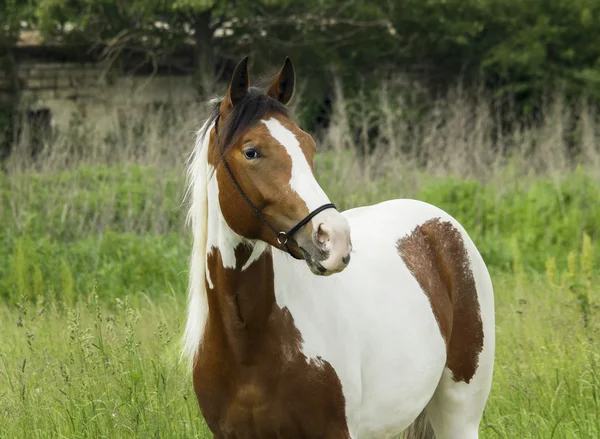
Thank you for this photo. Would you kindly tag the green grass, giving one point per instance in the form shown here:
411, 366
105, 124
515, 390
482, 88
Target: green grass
95, 371
93, 273
123, 226
111, 369
546, 380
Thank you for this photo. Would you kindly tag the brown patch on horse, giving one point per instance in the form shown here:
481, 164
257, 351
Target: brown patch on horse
436, 256
251, 378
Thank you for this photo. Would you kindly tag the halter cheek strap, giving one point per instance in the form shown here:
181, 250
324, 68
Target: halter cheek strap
281, 237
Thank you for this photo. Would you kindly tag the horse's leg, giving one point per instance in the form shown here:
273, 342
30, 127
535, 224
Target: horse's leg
456, 408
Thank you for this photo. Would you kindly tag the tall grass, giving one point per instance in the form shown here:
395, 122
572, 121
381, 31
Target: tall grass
123, 227
111, 368
88, 372
94, 251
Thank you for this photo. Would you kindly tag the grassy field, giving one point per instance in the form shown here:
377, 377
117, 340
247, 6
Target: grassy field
93, 270
110, 370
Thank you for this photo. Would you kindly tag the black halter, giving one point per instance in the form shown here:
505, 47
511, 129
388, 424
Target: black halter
281, 237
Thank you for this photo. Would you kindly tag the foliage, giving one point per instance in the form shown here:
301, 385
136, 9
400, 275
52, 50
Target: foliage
577, 278
518, 49
545, 217
12, 13
79, 226
550, 44
123, 227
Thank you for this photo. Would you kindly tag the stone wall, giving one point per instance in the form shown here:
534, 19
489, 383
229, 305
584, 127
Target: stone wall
67, 89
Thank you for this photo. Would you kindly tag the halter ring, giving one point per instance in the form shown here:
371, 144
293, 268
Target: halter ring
280, 240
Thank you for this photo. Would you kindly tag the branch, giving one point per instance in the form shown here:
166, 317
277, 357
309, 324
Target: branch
322, 21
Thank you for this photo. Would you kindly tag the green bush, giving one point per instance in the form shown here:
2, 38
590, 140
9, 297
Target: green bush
545, 218
120, 226
124, 225
49, 269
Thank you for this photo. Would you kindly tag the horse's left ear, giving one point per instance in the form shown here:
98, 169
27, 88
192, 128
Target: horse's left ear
238, 86
282, 88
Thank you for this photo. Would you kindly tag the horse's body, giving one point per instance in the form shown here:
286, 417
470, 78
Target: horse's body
406, 328
374, 324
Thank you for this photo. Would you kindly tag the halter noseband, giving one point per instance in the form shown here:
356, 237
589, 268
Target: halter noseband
281, 237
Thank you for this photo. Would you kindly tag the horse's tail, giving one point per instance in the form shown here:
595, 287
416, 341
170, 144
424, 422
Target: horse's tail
419, 429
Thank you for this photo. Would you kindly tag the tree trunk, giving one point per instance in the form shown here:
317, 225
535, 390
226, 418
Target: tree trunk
204, 52
9, 102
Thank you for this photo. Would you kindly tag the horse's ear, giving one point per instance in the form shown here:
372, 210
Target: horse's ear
240, 81
284, 84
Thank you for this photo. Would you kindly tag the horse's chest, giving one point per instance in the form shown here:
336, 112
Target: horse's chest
302, 400
253, 413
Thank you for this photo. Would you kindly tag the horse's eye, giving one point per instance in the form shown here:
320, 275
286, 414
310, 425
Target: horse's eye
251, 153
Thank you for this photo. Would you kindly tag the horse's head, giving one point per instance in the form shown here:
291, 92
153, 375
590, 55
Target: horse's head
264, 165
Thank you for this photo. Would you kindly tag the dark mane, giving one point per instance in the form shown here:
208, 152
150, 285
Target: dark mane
246, 113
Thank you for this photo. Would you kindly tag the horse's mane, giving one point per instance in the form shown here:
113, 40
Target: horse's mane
198, 217
245, 114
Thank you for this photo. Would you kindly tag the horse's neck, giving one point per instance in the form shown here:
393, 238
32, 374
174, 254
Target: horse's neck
239, 280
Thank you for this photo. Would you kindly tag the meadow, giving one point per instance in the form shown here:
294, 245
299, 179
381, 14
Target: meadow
93, 262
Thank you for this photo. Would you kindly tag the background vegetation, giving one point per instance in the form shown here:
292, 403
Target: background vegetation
487, 109
94, 263
518, 51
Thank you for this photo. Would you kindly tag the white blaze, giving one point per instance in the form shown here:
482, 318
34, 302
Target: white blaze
302, 181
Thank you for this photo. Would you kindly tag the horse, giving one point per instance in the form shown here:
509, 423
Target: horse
307, 322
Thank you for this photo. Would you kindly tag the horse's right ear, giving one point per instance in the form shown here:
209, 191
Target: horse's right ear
238, 86
282, 89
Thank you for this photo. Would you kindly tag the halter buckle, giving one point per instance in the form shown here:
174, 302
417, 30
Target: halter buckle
282, 238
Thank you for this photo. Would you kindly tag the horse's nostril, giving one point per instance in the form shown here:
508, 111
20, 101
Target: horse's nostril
346, 259
322, 234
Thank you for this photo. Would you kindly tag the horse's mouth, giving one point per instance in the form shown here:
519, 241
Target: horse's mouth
312, 261
314, 265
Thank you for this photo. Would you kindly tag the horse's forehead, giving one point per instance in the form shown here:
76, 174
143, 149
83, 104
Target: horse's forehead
288, 135
277, 132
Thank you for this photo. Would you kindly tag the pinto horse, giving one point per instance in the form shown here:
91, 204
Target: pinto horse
307, 322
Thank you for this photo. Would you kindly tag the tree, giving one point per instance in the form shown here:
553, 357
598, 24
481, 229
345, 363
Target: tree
153, 29
12, 14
